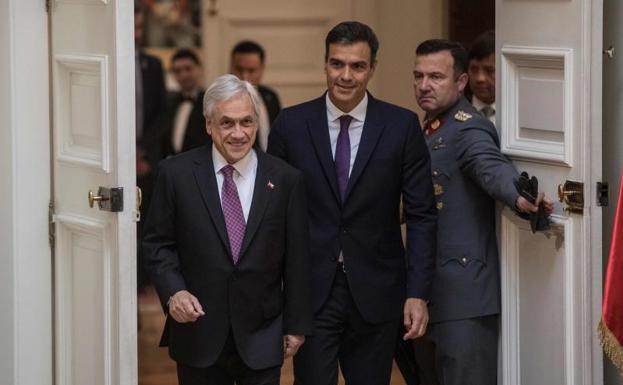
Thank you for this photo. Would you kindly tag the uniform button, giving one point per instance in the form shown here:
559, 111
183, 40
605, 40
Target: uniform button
435, 173
464, 260
439, 205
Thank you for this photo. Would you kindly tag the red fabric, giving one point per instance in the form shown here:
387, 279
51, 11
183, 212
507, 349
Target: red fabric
612, 307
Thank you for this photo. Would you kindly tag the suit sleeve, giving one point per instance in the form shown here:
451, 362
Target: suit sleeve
420, 214
276, 138
480, 158
159, 245
297, 269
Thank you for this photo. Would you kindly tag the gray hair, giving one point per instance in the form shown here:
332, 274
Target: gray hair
226, 87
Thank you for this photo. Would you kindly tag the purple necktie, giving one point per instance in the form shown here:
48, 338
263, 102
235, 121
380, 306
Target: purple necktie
232, 210
342, 154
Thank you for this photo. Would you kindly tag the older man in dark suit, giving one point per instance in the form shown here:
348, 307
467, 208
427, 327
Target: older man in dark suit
359, 155
470, 174
226, 243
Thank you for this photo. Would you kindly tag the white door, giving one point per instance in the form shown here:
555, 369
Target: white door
612, 133
549, 94
291, 31
92, 60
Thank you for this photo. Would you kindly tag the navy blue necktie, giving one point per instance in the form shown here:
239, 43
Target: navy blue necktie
342, 154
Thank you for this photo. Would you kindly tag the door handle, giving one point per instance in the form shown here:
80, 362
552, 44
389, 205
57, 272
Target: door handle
572, 193
108, 199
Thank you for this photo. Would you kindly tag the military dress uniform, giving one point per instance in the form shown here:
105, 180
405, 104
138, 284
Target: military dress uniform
469, 174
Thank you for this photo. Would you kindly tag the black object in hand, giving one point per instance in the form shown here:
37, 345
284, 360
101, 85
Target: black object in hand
528, 188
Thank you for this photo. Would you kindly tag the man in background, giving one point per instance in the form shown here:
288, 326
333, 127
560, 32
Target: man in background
150, 96
481, 71
247, 62
184, 123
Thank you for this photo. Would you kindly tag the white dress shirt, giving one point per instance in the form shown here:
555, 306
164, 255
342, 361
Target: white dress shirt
354, 130
244, 177
180, 122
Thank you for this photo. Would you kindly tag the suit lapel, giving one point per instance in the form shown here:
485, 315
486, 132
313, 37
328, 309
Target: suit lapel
318, 128
372, 129
206, 181
261, 196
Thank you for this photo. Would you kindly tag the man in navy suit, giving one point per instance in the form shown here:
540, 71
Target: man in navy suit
359, 155
226, 243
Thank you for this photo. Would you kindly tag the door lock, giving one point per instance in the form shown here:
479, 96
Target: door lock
572, 193
108, 199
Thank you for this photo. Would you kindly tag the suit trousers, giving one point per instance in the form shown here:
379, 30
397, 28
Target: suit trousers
461, 352
229, 368
364, 350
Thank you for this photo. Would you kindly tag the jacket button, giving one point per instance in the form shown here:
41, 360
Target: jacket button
464, 260
435, 173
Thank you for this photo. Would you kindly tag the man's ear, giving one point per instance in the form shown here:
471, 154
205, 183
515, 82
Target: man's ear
462, 81
208, 128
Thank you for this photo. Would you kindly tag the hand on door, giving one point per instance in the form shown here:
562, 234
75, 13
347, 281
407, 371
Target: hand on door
185, 307
525, 206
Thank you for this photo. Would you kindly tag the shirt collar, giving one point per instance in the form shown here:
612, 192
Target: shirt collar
358, 113
244, 166
479, 104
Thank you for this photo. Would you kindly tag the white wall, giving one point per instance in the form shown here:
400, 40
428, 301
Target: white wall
400, 25
25, 258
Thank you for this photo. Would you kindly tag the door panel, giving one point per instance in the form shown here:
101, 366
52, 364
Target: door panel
92, 58
291, 32
550, 104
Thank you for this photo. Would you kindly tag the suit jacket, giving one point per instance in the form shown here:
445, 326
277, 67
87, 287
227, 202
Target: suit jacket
195, 134
264, 296
392, 160
154, 102
271, 101
470, 173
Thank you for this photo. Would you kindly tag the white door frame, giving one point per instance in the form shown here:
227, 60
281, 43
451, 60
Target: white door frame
25, 257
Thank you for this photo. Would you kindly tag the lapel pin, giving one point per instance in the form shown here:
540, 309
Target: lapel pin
270, 185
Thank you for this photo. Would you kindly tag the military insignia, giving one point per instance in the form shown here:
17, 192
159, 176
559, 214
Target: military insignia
438, 189
432, 126
435, 173
439, 143
439, 205
462, 116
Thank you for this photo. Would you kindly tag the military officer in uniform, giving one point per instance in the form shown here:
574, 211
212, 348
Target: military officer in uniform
469, 174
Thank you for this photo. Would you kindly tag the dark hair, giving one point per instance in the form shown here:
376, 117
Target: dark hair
439, 45
482, 46
185, 53
351, 32
248, 46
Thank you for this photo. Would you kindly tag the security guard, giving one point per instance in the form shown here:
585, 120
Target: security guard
469, 174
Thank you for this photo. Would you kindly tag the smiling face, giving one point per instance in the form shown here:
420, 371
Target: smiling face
348, 69
233, 127
482, 78
436, 85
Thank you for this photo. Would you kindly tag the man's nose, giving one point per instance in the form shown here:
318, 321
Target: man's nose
346, 73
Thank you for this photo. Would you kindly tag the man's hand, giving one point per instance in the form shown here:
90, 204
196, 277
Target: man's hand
291, 344
184, 307
415, 318
525, 206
